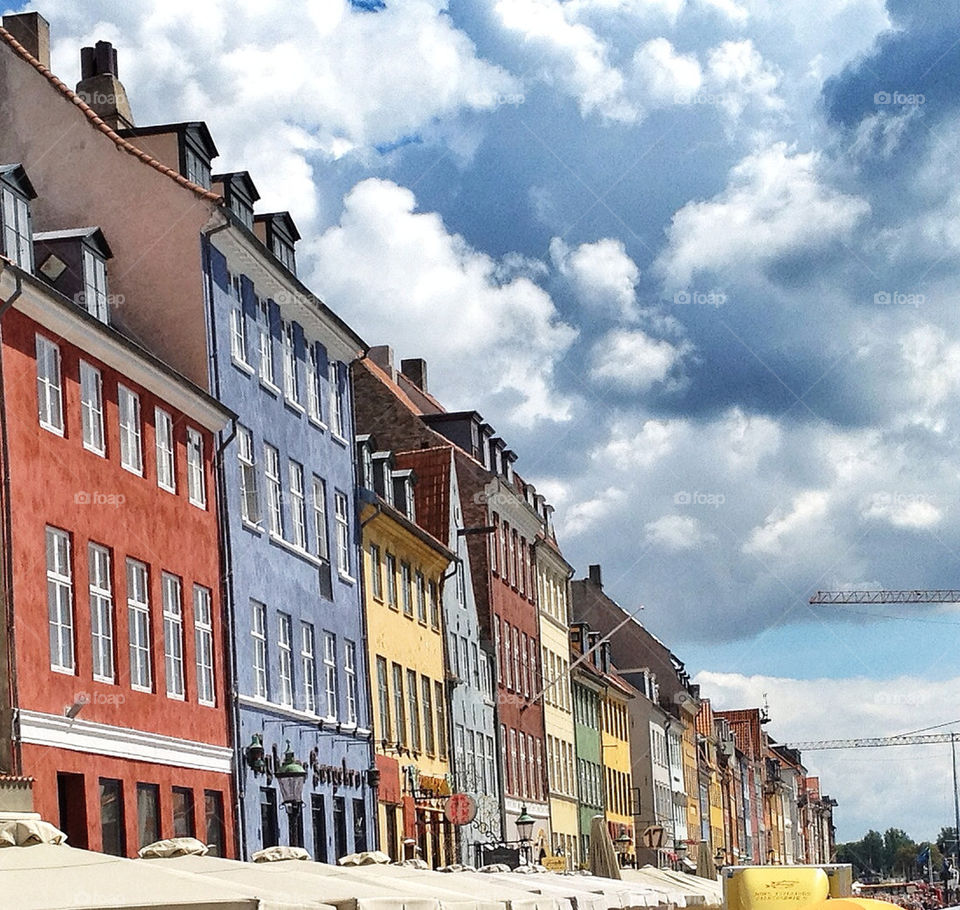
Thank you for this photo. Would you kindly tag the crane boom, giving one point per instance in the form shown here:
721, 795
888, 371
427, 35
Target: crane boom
887, 597
873, 742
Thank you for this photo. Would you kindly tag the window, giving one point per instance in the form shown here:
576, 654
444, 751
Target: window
475, 664
196, 475
383, 699
138, 619
405, 593
376, 572
441, 720
166, 478
434, 606
266, 342
308, 668
343, 534
173, 635
298, 505
91, 408
313, 384
320, 517
399, 707
426, 688
350, 672
101, 612
148, 814
336, 404
60, 600
184, 824
112, 831
330, 673
291, 388
238, 329
392, 580
203, 641
95, 286
49, 388
213, 818
274, 494
197, 170
131, 453
414, 700
421, 598
249, 495
285, 659
522, 767
258, 632
17, 236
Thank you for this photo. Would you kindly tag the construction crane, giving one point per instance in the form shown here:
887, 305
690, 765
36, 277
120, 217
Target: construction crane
887, 597
874, 742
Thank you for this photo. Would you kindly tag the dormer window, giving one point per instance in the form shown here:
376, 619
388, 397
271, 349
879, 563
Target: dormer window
95, 285
383, 476
278, 234
16, 192
74, 262
239, 193
197, 170
190, 155
403, 493
365, 460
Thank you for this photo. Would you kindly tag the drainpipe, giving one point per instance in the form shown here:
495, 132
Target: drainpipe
6, 573
226, 555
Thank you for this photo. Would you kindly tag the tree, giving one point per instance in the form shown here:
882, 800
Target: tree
871, 848
905, 861
947, 841
894, 839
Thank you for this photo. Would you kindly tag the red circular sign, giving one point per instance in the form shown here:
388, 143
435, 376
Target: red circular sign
461, 809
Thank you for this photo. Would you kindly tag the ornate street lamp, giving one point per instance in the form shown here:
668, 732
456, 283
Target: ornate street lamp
254, 755
291, 776
622, 844
525, 823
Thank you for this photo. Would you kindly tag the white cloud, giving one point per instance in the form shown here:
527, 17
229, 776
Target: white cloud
661, 76
803, 518
677, 532
602, 275
774, 205
633, 360
737, 72
400, 277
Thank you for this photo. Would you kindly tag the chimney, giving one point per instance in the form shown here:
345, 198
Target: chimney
100, 86
595, 577
415, 369
382, 356
33, 32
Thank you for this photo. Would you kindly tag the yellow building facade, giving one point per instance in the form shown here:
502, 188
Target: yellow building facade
553, 574
404, 571
617, 765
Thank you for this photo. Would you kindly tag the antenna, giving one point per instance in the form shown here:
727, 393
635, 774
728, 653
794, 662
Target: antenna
765, 710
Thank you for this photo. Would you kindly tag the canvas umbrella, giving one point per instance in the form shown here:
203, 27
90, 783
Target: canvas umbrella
602, 859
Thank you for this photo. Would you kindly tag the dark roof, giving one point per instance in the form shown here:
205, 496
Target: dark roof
16, 174
284, 219
196, 128
432, 489
91, 233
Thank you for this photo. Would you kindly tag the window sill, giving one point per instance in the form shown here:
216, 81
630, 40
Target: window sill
200, 505
64, 670
295, 550
337, 438
161, 486
270, 387
101, 453
251, 527
52, 429
144, 689
345, 578
242, 366
173, 697
319, 424
132, 470
294, 406
105, 680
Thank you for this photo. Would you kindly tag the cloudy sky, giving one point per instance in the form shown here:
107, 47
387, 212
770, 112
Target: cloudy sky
696, 260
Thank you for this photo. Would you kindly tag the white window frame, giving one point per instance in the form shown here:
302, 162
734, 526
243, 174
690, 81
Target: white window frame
196, 469
271, 470
95, 300
173, 636
138, 623
308, 667
258, 632
298, 504
17, 233
60, 601
320, 518
203, 642
166, 457
330, 673
249, 492
426, 699
238, 328
420, 584
336, 403
291, 385
376, 572
350, 674
49, 385
314, 411
265, 342
343, 533
413, 711
91, 409
383, 699
131, 436
285, 658
101, 612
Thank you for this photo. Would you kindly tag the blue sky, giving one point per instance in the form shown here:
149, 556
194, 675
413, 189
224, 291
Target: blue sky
696, 260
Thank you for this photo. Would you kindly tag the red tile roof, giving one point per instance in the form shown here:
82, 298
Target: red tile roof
432, 489
99, 124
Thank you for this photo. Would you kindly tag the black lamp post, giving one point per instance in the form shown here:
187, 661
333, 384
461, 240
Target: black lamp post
622, 845
525, 823
291, 776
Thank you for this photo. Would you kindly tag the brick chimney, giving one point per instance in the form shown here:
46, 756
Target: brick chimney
33, 32
100, 86
382, 356
415, 369
596, 577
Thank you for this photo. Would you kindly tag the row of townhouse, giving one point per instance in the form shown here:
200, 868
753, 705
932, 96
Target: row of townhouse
240, 547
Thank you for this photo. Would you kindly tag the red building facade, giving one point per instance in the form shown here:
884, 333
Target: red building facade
114, 697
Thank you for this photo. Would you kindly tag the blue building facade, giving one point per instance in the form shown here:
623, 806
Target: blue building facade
287, 488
